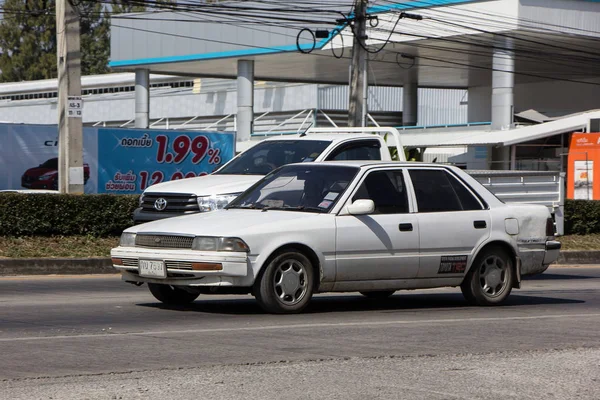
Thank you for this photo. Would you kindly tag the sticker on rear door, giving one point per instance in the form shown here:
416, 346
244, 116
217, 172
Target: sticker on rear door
453, 265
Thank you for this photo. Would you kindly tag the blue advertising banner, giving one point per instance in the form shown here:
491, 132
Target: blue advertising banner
133, 159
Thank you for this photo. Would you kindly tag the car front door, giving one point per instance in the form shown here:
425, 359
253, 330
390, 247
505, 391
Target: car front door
383, 245
452, 220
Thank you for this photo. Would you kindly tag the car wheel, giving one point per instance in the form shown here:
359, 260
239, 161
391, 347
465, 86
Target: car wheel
171, 295
379, 294
489, 281
286, 283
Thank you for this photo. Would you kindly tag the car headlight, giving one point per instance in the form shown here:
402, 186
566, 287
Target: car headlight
47, 176
215, 202
127, 240
210, 243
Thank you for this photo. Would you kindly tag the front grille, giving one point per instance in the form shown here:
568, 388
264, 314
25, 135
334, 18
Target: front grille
133, 263
28, 179
176, 203
164, 241
130, 262
178, 265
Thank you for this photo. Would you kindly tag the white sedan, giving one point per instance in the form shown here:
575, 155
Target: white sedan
372, 227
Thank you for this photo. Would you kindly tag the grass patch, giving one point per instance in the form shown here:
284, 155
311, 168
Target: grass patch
56, 246
580, 242
87, 246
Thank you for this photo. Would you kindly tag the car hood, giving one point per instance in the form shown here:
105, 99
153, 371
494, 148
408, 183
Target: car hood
207, 185
232, 223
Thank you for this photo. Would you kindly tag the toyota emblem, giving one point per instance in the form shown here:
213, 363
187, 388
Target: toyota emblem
160, 204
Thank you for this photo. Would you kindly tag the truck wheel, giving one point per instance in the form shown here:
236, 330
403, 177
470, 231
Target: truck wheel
171, 294
489, 281
286, 283
379, 294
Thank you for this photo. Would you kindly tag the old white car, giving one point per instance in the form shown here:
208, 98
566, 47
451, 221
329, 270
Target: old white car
371, 227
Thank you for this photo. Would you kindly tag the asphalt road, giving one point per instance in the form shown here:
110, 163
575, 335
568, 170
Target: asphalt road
99, 338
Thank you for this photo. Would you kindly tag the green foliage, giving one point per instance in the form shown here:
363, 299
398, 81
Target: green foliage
28, 37
66, 215
28, 40
582, 217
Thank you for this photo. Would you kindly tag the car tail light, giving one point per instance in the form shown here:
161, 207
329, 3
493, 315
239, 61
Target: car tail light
549, 227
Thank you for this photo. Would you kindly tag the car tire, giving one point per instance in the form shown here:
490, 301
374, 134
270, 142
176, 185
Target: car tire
285, 285
379, 294
489, 281
171, 295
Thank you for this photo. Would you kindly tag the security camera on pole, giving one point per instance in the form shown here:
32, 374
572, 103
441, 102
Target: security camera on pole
70, 104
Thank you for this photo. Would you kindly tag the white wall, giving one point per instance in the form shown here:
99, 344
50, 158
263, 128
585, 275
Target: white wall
550, 98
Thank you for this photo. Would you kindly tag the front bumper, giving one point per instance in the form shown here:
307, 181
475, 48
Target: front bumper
236, 267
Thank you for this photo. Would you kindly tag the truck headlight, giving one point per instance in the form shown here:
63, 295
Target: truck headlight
210, 243
127, 240
215, 202
141, 201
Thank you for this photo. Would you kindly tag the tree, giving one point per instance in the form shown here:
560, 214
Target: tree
28, 37
28, 40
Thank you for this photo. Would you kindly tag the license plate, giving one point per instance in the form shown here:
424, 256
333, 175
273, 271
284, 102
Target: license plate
153, 269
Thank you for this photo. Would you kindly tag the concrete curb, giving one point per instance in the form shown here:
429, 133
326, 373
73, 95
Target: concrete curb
579, 257
103, 265
59, 266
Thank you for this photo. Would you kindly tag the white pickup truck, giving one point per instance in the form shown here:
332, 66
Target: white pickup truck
214, 191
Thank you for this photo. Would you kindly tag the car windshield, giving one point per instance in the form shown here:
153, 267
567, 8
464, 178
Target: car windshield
51, 163
269, 155
311, 188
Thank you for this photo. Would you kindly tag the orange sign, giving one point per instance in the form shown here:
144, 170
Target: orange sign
584, 158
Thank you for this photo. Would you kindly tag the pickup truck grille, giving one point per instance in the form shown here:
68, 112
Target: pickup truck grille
175, 203
164, 241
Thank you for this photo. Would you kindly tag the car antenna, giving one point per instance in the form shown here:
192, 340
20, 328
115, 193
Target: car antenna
304, 132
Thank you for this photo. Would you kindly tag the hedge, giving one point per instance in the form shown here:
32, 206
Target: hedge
582, 217
106, 215
65, 215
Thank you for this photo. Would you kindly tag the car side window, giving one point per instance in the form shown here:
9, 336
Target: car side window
438, 191
386, 189
362, 150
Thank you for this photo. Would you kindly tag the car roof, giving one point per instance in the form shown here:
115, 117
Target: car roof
333, 137
376, 163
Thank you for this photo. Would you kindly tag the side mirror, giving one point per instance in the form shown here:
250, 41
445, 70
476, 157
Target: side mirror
361, 207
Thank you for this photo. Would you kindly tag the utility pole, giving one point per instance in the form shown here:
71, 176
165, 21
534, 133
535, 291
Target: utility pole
70, 104
358, 84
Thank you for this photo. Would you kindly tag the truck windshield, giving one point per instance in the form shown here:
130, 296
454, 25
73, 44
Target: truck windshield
308, 188
269, 155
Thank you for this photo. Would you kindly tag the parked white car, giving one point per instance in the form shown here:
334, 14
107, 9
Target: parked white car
372, 227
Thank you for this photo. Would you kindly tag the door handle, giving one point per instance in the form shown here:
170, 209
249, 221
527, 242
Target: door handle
479, 224
405, 227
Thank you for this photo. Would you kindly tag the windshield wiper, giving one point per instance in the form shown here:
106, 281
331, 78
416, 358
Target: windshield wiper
250, 206
293, 208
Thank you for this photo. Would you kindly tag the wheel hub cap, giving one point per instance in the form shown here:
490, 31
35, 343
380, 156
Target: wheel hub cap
290, 282
493, 278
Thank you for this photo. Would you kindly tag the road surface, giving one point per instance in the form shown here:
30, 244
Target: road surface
99, 338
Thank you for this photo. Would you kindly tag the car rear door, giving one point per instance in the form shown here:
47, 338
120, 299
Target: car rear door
452, 221
383, 245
